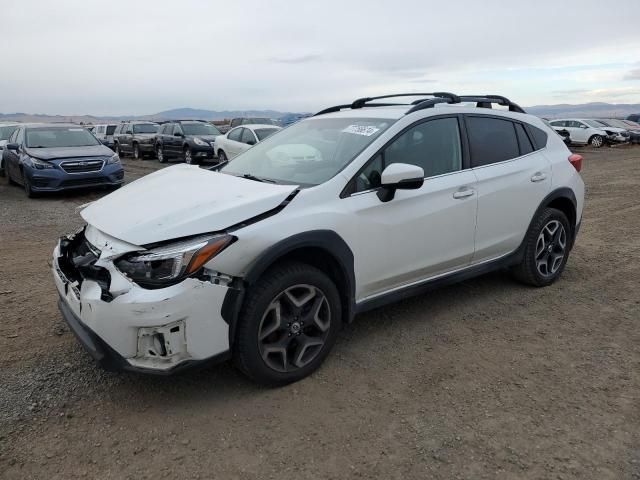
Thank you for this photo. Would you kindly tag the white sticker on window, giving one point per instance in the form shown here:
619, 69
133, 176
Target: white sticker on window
366, 130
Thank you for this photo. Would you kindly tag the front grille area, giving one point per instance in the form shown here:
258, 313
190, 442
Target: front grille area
84, 182
119, 175
83, 166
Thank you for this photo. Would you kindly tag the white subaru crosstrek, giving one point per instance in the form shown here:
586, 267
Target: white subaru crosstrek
363, 204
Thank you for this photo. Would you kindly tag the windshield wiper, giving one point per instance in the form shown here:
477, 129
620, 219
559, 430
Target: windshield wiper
248, 176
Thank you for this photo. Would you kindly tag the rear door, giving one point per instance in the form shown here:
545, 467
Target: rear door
513, 179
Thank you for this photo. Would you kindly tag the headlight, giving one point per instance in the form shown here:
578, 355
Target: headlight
168, 264
200, 142
40, 164
114, 159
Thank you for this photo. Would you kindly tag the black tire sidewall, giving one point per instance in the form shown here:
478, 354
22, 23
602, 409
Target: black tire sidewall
259, 297
160, 154
529, 260
224, 156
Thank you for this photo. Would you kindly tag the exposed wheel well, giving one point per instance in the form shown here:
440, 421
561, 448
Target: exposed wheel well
324, 261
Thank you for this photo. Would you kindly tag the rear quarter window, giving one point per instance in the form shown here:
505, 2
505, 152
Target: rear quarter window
538, 136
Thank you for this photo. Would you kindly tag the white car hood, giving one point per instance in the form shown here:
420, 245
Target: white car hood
180, 201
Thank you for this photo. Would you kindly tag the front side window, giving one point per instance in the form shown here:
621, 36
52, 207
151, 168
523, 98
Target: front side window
59, 137
594, 123
145, 128
491, 140
433, 146
309, 152
177, 130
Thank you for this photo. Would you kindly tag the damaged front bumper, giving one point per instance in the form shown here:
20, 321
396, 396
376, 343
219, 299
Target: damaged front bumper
126, 327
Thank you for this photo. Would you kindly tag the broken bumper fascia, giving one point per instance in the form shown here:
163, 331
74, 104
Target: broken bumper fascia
116, 332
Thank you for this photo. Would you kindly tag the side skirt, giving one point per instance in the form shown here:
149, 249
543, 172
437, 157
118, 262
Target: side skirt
413, 290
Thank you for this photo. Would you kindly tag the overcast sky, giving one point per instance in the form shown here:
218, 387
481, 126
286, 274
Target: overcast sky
140, 57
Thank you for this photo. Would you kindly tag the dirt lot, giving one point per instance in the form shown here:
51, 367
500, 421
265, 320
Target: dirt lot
485, 379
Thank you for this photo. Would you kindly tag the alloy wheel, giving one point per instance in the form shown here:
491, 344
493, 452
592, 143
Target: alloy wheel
187, 155
551, 248
160, 154
294, 328
136, 152
597, 141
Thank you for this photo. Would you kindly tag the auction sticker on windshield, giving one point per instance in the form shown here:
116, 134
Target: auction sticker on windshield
366, 130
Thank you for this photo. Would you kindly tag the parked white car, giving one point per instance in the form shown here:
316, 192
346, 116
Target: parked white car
360, 205
584, 131
240, 139
104, 133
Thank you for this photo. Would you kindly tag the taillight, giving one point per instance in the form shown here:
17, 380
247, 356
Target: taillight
576, 161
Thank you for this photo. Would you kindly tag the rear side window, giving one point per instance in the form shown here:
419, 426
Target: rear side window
523, 140
491, 140
235, 134
247, 136
539, 137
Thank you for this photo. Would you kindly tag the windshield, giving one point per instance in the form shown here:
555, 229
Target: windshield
59, 137
111, 129
5, 132
258, 121
594, 123
145, 128
199, 128
309, 152
263, 133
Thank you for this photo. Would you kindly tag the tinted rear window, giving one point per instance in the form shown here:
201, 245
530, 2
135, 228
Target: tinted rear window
539, 137
491, 140
111, 129
523, 140
263, 133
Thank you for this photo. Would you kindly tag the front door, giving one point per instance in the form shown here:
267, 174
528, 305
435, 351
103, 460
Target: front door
421, 233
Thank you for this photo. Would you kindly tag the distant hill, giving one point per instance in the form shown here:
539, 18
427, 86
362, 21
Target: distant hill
588, 110
177, 113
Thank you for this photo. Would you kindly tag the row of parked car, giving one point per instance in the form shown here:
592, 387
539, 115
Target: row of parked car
190, 140
597, 132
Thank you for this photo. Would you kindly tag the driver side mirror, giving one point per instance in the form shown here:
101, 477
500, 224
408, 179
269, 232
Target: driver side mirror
584, 127
251, 142
399, 176
13, 146
178, 134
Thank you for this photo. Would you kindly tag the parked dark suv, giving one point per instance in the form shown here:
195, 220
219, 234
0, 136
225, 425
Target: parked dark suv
53, 157
191, 140
135, 138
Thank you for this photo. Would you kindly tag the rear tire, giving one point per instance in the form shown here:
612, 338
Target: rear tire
160, 154
289, 322
596, 141
546, 249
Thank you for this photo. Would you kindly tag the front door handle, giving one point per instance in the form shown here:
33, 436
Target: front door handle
463, 193
538, 177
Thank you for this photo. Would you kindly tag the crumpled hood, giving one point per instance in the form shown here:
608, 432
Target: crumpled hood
70, 152
180, 201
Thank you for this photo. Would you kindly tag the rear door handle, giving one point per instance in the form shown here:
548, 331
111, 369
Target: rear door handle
463, 193
538, 177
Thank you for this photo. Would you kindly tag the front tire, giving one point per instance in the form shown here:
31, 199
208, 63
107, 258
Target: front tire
136, 152
596, 141
222, 157
27, 187
188, 156
288, 324
117, 150
547, 247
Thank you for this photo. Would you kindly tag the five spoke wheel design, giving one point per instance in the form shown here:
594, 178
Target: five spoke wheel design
294, 328
551, 248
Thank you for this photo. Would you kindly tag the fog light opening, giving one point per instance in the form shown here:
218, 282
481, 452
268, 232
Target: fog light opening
159, 345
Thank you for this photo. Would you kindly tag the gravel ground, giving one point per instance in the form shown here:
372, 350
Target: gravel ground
485, 379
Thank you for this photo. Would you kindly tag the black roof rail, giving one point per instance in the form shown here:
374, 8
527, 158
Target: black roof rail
485, 101
482, 101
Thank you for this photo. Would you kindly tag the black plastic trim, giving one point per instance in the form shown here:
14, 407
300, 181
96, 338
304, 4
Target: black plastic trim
327, 240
